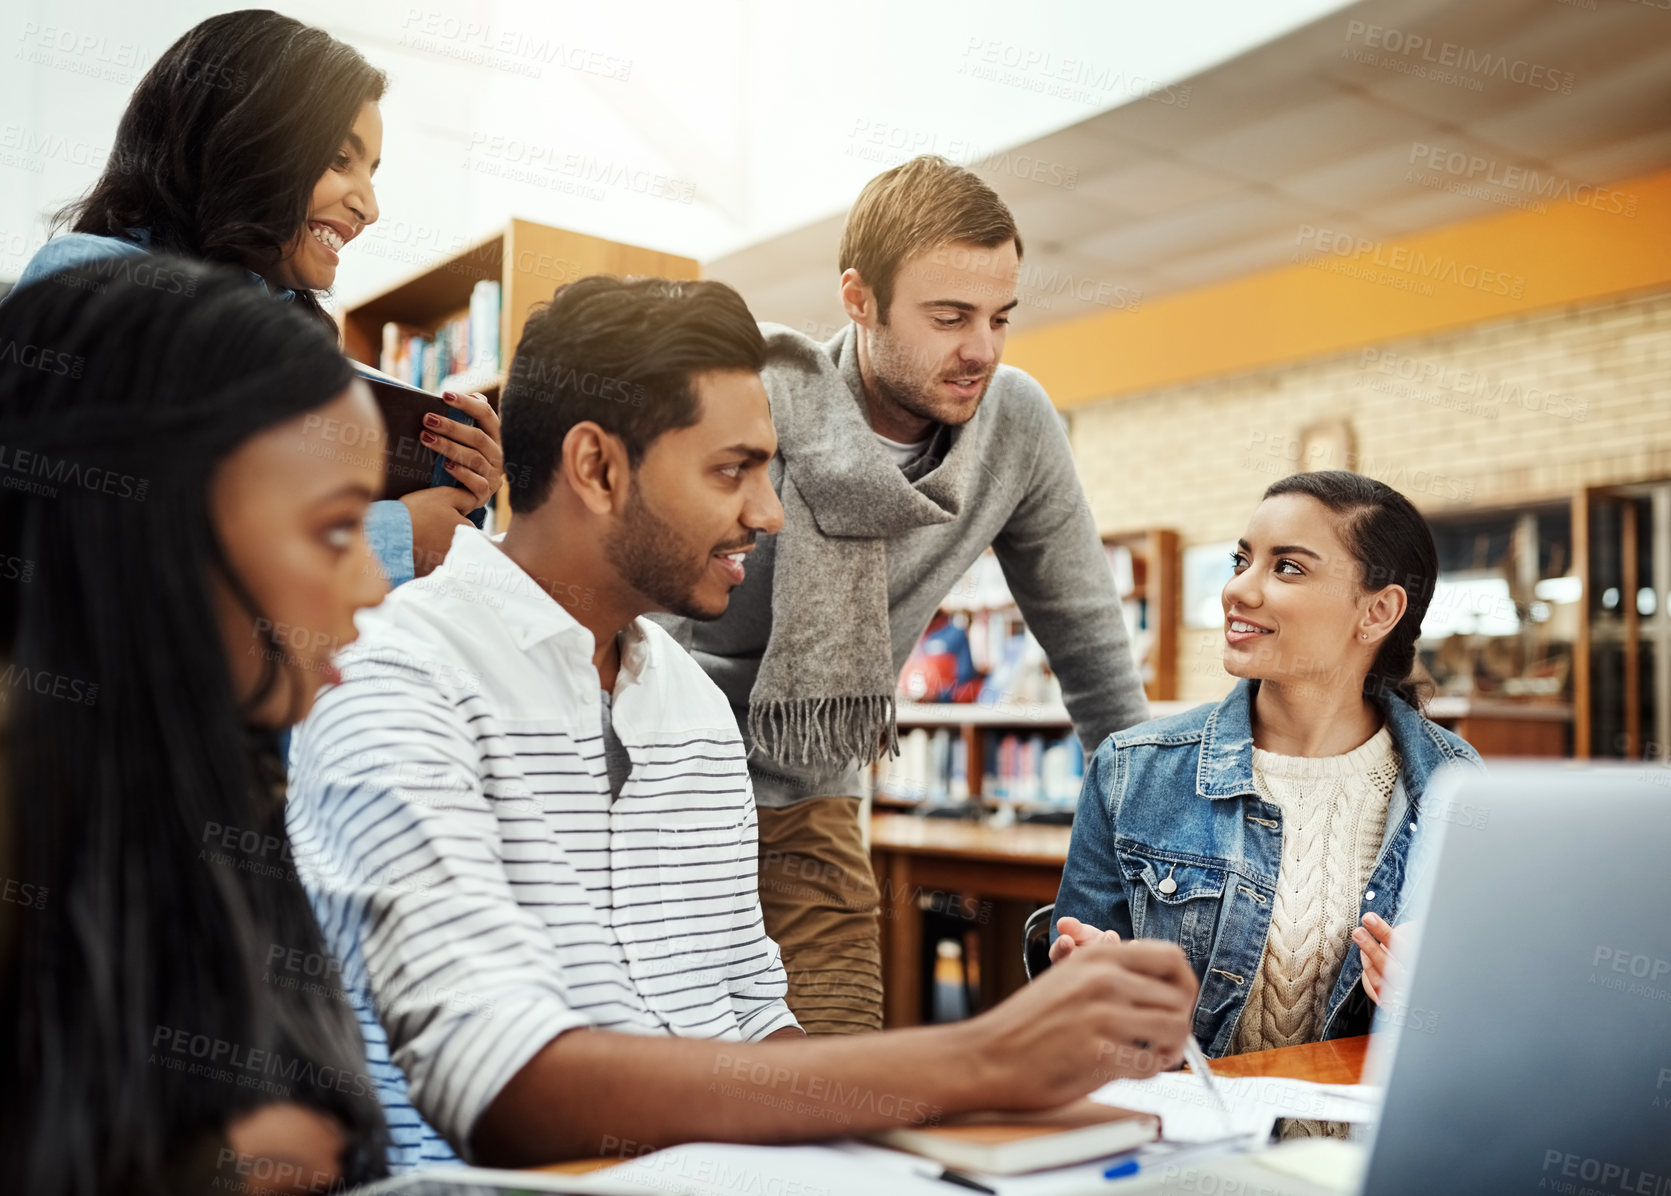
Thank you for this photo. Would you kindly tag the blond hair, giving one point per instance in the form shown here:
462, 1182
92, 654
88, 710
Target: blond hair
916, 206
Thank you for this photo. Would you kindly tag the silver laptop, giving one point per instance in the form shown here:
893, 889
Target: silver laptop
1527, 1046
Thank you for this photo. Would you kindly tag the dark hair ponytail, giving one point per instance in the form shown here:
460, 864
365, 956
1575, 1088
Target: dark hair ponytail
1393, 546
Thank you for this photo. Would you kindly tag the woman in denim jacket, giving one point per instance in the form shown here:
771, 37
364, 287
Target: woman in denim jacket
1256, 833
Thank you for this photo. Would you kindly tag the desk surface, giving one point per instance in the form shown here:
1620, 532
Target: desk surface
1022, 843
1336, 1062
1339, 1061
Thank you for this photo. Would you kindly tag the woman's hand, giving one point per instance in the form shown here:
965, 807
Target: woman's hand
1074, 933
1375, 940
474, 455
476, 458
436, 511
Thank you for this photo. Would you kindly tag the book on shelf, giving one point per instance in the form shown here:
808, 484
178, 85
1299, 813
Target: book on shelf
982, 587
1020, 675
1129, 575
1121, 566
462, 352
932, 766
1033, 769
1013, 1143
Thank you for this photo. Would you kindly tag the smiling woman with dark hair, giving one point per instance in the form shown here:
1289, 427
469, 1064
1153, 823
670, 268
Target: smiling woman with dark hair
1256, 833
252, 142
195, 552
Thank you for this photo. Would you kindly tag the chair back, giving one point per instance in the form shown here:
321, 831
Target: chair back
1035, 940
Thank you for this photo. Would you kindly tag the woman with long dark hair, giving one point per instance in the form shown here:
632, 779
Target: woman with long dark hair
1259, 831
180, 481
252, 141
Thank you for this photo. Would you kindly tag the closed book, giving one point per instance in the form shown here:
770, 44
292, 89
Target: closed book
409, 464
1013, 1143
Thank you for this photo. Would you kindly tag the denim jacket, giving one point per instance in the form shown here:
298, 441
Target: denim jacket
1171, 841
388, 523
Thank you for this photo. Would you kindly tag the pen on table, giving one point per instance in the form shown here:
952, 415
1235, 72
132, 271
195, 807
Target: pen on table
963, 1181
1122, 1170
1198, 1064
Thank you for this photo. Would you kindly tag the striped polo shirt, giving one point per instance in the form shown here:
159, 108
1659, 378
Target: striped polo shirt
451, 817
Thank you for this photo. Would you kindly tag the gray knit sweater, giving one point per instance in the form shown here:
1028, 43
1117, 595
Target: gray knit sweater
1027, 504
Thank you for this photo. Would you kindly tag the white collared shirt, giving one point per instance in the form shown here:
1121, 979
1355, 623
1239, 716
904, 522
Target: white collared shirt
451, 818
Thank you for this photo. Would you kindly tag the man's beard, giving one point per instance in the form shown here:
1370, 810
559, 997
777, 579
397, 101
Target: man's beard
652, 558
913, 395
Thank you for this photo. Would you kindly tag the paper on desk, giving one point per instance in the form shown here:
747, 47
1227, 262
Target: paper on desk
1071, 1180
849, 1168
1188, 1114
717, 1169
1326, 1162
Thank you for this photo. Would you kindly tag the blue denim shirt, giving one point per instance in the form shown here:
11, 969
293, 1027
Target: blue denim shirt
388, 523
1175, 798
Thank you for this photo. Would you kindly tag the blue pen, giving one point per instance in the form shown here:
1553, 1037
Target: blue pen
1121, 1170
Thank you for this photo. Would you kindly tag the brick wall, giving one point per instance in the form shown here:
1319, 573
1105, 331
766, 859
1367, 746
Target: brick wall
1489, 416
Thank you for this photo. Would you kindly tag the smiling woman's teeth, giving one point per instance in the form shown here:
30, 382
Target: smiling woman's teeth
1238, 625
327, 237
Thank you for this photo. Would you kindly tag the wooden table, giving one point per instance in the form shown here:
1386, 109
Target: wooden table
1505, 727
914, 857
1336, 1062
1339, 1061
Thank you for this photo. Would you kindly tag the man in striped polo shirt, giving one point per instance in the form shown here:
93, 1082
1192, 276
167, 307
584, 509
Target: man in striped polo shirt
524, 813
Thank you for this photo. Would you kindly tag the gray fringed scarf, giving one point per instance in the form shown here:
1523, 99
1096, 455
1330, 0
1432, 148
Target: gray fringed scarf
824, 692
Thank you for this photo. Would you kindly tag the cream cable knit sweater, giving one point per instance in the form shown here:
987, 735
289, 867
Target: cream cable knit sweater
1334, 809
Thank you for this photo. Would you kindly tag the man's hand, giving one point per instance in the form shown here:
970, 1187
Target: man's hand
1375, 941
1074, 933
474, 455
1113, 1011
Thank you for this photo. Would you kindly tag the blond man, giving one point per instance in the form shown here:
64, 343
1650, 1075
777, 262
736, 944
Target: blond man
905, 449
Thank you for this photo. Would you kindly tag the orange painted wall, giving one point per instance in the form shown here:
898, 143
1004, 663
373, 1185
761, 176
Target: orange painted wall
1495, 266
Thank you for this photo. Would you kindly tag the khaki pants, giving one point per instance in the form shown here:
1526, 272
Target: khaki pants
819, 899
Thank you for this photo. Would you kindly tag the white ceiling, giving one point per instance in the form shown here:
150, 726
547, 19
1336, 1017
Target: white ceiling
1317, 128
695, 128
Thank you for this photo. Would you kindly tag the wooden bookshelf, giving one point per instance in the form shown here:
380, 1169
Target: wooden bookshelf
974, 721
1053, 716
1157, 574
1157, 584
529, 261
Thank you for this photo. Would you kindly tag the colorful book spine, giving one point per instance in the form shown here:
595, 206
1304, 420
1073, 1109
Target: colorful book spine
468, 344
1032, 770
